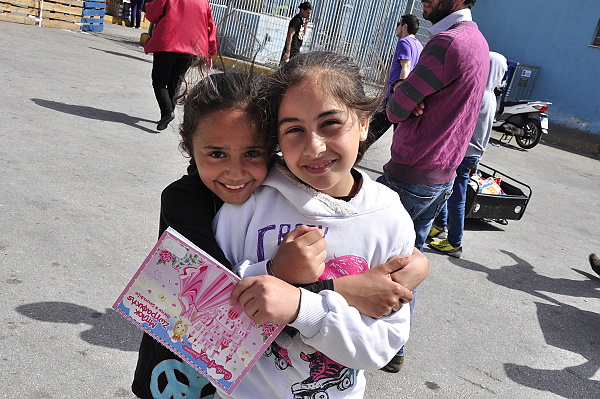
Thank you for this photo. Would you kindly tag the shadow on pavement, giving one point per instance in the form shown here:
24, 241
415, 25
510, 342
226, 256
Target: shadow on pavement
561, 137
571, 329
108, 329
567, 147
521, 276
482, 225
125, 38
94, 113
563, 326
123, 55
506, 143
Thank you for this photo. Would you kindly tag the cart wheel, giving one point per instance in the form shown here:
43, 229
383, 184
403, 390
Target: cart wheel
532, 134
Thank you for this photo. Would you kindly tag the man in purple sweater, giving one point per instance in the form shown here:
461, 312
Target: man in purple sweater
436, 107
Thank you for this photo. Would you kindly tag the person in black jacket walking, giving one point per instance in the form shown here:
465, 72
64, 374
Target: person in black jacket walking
296, 31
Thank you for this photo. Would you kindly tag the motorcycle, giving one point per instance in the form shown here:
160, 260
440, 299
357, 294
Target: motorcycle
524, 120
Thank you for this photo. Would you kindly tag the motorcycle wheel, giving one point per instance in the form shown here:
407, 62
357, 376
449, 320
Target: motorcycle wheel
532, 134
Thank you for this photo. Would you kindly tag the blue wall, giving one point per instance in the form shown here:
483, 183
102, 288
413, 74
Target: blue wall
554, 35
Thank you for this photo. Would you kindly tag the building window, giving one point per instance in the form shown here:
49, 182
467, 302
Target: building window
596, 40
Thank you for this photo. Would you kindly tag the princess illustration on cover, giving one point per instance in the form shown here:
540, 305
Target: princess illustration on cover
179, 330
213, 325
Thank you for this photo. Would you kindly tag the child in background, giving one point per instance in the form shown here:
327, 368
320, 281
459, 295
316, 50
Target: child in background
320, 115
219, 132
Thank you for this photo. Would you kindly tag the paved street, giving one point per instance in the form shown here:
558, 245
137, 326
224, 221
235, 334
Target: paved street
81, 171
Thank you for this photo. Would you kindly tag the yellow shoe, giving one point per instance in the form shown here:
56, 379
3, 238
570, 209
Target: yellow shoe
436, 232
446, 248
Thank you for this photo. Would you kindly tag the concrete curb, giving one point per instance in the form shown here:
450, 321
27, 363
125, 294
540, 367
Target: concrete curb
574, 139
223, 62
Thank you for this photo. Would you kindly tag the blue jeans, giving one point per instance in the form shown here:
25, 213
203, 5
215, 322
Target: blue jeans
136, 12
422, 202
453, 213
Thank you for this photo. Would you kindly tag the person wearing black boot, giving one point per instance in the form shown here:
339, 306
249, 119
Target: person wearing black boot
183, 30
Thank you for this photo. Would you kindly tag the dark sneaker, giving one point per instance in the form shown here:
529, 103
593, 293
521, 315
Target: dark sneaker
595, 263
446, 248
395, 365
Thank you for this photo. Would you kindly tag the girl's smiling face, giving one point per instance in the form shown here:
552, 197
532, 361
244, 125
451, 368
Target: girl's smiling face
230, 155
319, 138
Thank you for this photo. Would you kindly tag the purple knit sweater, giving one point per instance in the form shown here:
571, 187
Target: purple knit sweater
450, 79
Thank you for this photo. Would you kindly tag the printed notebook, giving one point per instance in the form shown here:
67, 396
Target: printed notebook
180, 296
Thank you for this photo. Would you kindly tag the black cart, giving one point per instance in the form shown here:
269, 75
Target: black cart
510, 206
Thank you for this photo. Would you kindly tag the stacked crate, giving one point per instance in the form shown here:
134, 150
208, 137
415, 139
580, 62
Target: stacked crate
92, 15
62, 14
20, 11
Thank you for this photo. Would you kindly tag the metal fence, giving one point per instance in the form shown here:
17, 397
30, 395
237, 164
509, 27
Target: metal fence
255, 30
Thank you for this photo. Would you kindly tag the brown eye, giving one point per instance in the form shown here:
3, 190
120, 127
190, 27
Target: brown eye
331, 122
217, 154
254, 154
293, 129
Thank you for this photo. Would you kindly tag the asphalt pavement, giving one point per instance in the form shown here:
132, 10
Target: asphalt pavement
82, 168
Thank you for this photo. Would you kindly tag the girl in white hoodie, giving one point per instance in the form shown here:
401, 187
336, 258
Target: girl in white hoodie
318, 111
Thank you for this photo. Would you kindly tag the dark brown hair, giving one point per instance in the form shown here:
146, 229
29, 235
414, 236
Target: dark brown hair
225, 90
305, 6
412, 22
338, 76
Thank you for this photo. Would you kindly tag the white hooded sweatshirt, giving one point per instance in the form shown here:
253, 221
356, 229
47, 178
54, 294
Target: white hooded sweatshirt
330, 342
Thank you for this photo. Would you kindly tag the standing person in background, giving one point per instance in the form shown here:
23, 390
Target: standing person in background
296, 31
136, 13
184, 29
452, 214
405, 58
436, 107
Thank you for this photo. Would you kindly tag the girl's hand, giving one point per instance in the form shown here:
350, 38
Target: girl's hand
300, 258
373, 292
411, 270
267, 299
384, 288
